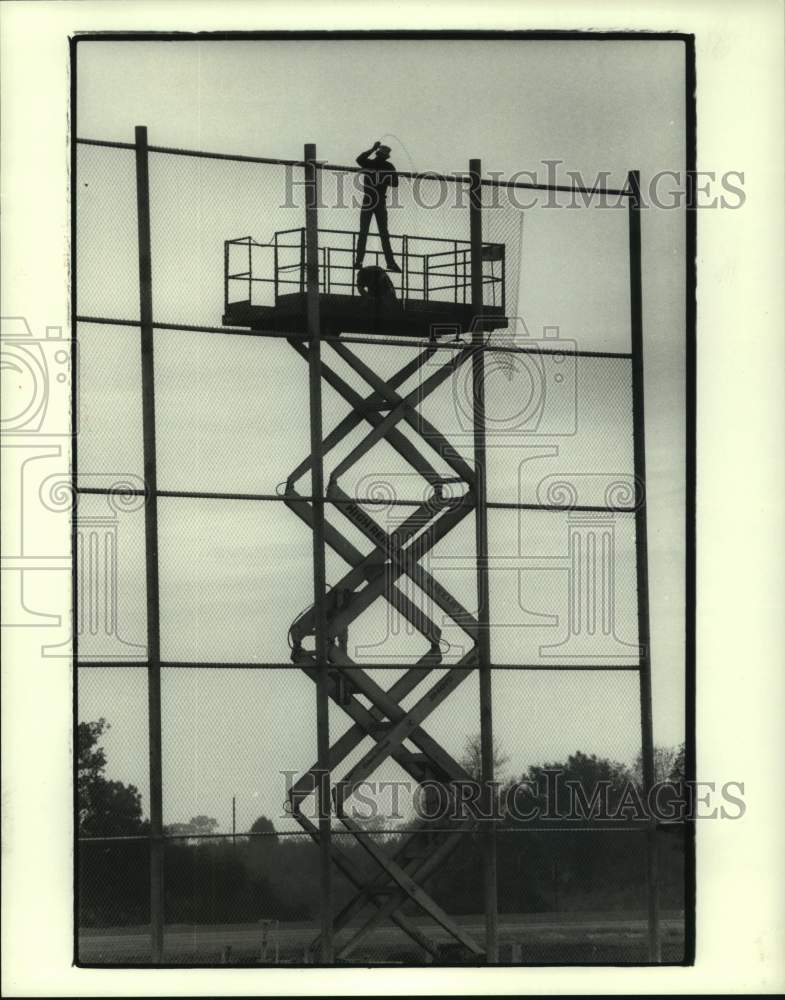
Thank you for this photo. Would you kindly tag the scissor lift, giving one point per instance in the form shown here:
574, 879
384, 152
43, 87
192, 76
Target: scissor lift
432, 300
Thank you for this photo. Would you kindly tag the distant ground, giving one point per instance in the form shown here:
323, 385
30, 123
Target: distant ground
601, 938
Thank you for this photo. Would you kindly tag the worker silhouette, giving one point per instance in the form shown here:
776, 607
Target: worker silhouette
379, 175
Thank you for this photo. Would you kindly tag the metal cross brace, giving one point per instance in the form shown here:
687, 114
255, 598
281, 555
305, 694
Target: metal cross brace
394, 555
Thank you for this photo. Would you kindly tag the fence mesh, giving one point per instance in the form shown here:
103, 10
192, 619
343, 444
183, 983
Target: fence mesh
234, 559
571, 264
107, 254
235, 768
109, 383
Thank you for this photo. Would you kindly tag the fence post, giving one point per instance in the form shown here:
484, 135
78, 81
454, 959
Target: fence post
481, 535
405, 276
275, 271
226, 277
504, 280
319, 579
151, 548
302, 261
642, 557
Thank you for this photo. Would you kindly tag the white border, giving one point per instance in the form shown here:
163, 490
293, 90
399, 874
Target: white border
741, 889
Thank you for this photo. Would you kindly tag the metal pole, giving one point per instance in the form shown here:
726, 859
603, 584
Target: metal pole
226, 276
319, 579
405, 278
642, 556
275, 271
151, 549
481, 534
76, 597
302, 261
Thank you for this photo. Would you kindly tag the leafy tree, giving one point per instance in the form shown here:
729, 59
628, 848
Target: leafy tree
678, 772
264, 825
670, 777
113, 876
198, 827
666, 761
106, 808
471, 759
91, 758
579, 779
261, 852
379, 825
203, 825
572, 868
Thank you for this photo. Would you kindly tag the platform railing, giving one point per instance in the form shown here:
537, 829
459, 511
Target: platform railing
442, 275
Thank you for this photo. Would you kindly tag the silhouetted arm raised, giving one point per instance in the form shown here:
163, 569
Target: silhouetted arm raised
364, 159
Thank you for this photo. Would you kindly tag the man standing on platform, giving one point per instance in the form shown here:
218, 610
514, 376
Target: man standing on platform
379, 175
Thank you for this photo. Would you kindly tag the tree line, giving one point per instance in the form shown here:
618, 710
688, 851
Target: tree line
271, 875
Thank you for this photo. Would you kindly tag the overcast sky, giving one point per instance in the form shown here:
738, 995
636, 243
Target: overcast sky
232, 412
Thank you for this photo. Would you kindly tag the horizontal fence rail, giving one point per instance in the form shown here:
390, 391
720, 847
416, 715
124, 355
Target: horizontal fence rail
361, 500
411, 343
458, 178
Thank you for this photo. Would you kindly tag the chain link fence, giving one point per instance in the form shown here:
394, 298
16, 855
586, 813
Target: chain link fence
234, 549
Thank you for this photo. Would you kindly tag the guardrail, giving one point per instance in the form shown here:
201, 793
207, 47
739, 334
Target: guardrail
263, 272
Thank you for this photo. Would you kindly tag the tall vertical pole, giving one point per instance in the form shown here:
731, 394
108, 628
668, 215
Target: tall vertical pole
481, 535
151, 549
319, 579
234, 820
75, 593
642, 555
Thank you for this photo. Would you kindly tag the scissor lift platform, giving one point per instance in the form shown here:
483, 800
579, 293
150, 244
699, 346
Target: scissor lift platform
265, 286
360, 314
